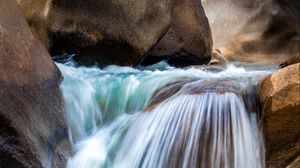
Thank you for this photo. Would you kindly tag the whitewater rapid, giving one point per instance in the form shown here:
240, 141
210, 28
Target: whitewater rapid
110, 125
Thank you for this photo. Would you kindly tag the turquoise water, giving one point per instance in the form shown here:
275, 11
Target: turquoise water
108, 127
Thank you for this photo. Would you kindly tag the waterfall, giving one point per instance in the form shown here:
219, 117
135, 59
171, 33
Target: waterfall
207, 130
161, 116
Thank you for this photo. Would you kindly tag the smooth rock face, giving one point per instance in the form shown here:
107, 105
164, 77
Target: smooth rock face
166, 92
110, 32
31, 111
121, 32
188, 40
280, 97
192, 86
251, 30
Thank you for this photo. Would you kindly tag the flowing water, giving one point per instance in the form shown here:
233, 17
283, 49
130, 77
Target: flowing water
139, 118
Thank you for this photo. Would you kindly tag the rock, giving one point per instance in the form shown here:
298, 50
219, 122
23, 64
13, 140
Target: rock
295, 164
61, 155
193, 86
32, 119
290, 61
110, 32
218, 58
166, 92
213, 61
268, 31
121, 32
188, 40
279, 95
215, 68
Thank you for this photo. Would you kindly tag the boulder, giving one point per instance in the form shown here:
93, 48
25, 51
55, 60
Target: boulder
295, 164
193, 86
32, 119
166, 92
290, 61
120, 32
108, 32
252, 30
280, 98
188, 40
218, 58
61, 154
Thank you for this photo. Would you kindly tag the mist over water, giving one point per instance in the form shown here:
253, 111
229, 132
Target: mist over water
210, 122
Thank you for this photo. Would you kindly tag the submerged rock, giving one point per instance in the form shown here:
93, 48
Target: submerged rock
166, 92
203, 124
32, 119
193, 87
122, 32
280, 97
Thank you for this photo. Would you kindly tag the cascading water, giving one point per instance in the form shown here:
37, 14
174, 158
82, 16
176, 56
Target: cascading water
140, 118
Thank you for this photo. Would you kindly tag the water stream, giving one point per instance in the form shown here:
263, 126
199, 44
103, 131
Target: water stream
118, 118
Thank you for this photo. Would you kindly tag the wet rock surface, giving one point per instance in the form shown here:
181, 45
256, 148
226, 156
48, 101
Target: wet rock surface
62, 153
193, 87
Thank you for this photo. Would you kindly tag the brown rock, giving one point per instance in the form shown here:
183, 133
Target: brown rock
290, 61
218, 58
31, 110
188, 40
109, 32
166, 92
192, 86
280, 97
121, 32
295, 164
61, 155
255, 30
